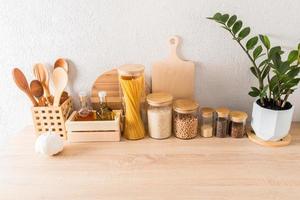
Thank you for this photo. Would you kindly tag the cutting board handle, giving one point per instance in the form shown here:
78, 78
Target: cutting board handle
174, 43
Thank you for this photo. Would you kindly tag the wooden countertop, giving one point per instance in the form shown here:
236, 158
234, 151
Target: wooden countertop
203, 168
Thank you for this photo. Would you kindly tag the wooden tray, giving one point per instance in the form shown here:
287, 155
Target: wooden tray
283, 142
93, 131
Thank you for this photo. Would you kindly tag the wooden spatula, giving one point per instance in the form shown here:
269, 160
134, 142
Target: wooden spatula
22, 83
174, 75
60, 80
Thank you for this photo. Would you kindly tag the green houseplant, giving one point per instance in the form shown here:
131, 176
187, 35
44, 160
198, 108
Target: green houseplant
277, 78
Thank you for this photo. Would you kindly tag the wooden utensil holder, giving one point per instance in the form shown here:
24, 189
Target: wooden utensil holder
94, 131
52, 117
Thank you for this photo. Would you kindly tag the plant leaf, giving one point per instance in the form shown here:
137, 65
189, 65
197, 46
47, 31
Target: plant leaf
257, 51
244, 33
216, 17
265, 40
224, 18
275, 50
231, 20
251, 43
266, 71
294, 72
264, 62
237, 27
254, 92
293, 56
252, 69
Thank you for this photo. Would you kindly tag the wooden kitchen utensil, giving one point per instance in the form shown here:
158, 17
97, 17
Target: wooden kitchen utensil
41, 73
60, 80
62, 63
37, 91
22, 83
174, 75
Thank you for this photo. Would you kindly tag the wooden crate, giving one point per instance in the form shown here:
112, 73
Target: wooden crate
52, 117
93, 131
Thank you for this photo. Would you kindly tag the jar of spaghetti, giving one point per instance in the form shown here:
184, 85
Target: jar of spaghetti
185, 118
238, 124
132, 85
207, 122
222, 122
159, 115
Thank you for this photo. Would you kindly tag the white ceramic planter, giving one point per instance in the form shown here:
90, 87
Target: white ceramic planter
271, 125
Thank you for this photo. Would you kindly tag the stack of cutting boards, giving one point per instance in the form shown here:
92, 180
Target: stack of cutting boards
173, 74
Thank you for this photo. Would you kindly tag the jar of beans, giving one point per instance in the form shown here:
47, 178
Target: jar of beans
207, 122
222, 122
185, 118
238, 124
159, 115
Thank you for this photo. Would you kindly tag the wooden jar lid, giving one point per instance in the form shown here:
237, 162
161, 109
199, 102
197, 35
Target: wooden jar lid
185, 106
223, 112
207, 112
159, 99
131, 70
238, 116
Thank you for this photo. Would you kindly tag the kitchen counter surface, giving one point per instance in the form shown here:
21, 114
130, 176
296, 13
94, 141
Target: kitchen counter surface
202, 168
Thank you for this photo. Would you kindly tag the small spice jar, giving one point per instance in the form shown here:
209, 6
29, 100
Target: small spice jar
222, 122
159, 114
238, 124
207, 122
185, 118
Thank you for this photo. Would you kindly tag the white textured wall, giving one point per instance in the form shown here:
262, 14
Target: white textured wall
98, 35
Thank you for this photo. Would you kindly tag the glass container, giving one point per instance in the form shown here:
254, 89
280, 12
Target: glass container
238, 124
85, 113
132, 84
207, 122
103, 111
222, 122
159, 114
185, 118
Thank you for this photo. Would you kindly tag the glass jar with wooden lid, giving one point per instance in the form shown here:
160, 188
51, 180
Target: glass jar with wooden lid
132, 84
159, 114
238, 124
207, 122
222, 115
185, 118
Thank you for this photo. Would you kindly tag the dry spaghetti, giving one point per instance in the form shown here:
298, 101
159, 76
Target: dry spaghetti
133, 89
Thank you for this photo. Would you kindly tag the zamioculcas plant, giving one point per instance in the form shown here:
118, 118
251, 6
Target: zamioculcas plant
277, 77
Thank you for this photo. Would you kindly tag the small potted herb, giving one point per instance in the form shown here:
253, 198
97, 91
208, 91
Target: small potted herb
277, 79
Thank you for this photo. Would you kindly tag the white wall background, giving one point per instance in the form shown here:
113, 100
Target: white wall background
97, 35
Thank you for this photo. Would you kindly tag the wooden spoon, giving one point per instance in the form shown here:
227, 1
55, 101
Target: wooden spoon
22, 83
61, 63
42, 75
60, 80
37, 91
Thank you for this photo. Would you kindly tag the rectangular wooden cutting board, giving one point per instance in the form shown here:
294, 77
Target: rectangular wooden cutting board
174, 75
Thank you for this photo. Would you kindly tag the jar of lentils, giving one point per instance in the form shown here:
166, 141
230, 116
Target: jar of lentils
185, 118
237, 124
207, 122
159, 115
222, 122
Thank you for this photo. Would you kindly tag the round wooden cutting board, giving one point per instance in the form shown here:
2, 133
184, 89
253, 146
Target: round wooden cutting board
109, 82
